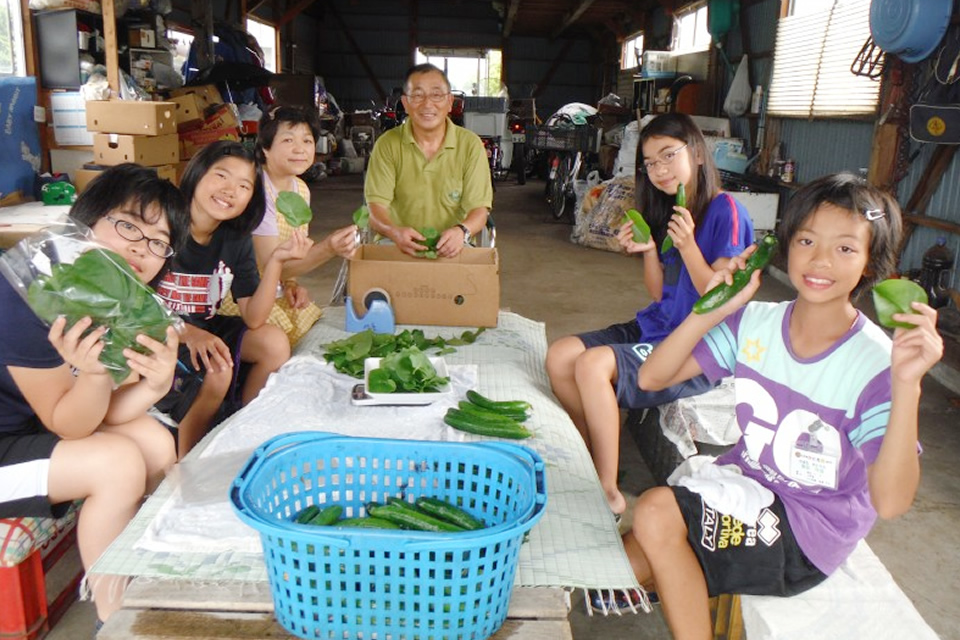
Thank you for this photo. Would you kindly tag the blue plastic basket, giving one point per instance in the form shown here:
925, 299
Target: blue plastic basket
330, 582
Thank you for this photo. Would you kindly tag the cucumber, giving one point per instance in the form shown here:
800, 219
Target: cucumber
402, 504
446, 511
409, 519
681, 201
484, 427
308, 514
723, 292
500, 406
327, 516
468, 407
367, 523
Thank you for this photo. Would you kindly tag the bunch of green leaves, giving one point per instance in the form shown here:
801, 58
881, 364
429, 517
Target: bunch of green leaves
294, 208
347, 355
894, 296
406, 371
430, 239
100, 284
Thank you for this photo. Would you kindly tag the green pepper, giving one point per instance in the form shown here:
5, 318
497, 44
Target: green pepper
641, 230
681, 201
723, 292
894, 296
361, 217
430, 239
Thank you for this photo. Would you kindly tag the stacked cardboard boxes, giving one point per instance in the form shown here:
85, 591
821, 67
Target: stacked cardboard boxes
203, 118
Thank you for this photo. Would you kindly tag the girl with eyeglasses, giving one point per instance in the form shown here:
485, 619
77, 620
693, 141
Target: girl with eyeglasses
66, 433
224, 189
594, 374
286, 148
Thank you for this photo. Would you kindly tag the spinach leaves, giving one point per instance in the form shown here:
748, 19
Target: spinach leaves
101, 284
347, 355
409, 371
294, 208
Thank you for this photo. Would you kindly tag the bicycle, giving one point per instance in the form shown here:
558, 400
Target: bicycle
570, 146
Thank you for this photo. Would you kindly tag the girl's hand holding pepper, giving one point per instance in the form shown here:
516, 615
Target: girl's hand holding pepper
915, 350
681, 228
625, 238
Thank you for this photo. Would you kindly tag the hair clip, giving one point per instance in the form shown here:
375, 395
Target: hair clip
873, 214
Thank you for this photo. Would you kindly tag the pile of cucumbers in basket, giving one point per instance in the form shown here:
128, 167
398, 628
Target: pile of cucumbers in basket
425, 514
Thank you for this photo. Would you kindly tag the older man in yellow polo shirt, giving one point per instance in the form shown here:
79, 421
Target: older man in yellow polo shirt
428, 172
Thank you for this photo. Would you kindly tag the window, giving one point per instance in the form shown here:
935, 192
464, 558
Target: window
811, 66
11, 39
690, 30
630, 54
475, 72
181, 42
266, 36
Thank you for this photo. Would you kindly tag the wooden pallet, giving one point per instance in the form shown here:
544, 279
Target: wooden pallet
182, 610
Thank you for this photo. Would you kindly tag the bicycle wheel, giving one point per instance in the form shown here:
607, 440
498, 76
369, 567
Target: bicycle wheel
557, 194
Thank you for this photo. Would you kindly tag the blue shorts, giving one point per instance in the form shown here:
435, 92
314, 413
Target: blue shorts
30, 450
630, 351
762, 560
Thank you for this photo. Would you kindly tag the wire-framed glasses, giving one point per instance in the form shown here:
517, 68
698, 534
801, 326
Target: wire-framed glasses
436, 97
129, 231
664, 159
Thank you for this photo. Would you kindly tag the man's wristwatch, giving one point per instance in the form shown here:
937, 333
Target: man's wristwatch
466, 233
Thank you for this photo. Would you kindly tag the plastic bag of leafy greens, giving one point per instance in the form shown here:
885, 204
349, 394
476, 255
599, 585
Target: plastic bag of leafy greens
63, 271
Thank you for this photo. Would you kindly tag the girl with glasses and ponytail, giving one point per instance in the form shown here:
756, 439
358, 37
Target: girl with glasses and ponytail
594, 374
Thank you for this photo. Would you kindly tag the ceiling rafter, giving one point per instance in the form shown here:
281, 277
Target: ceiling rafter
571, 17
511, 18
294, 12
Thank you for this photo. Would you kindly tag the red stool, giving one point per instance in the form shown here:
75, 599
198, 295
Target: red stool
40, 574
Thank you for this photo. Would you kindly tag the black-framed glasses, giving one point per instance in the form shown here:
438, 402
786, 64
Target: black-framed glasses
129, 231
665, 159
436, 97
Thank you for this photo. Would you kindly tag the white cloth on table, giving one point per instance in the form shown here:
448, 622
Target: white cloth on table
723, 487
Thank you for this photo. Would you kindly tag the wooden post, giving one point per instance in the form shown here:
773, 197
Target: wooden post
110, 44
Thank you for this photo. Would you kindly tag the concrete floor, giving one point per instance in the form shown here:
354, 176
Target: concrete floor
546, 277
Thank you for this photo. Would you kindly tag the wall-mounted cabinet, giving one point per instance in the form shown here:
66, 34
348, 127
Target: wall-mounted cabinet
67, 41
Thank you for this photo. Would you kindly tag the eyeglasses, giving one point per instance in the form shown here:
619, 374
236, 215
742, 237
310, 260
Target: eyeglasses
129, 231
436, 97
664, 159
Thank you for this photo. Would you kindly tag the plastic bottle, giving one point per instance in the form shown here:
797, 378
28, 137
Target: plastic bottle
757, 100
935, 273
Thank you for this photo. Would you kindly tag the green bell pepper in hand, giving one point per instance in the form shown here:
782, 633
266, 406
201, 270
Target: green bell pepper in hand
680, 202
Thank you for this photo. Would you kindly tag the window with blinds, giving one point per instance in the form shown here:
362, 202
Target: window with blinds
811, 64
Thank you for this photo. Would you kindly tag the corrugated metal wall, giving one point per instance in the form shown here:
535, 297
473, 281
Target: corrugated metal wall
383, 30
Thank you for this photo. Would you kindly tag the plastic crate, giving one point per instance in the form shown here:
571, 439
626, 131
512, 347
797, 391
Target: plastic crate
330, 582
578, 138
480, 104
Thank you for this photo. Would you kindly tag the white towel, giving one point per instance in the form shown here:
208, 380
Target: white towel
723, 487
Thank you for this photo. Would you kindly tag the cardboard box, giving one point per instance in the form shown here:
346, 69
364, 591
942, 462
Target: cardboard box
144, 37
208, 94
192, 141
82, 177
223, 117
188, 112
151, 151
461, 292
133, 117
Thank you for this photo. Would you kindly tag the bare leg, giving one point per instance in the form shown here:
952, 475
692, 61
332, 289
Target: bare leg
595, 375
196, 422
107, 471
266, 349
155, 444
561, 363
659, 550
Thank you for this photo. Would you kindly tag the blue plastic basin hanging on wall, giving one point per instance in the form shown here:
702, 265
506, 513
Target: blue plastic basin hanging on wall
911, 29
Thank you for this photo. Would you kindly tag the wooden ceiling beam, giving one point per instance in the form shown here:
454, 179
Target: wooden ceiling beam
548, 76
294, 12
256, 5
361, 58
510, 20
571, 17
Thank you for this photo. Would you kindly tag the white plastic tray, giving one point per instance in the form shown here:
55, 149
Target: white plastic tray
406, 398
